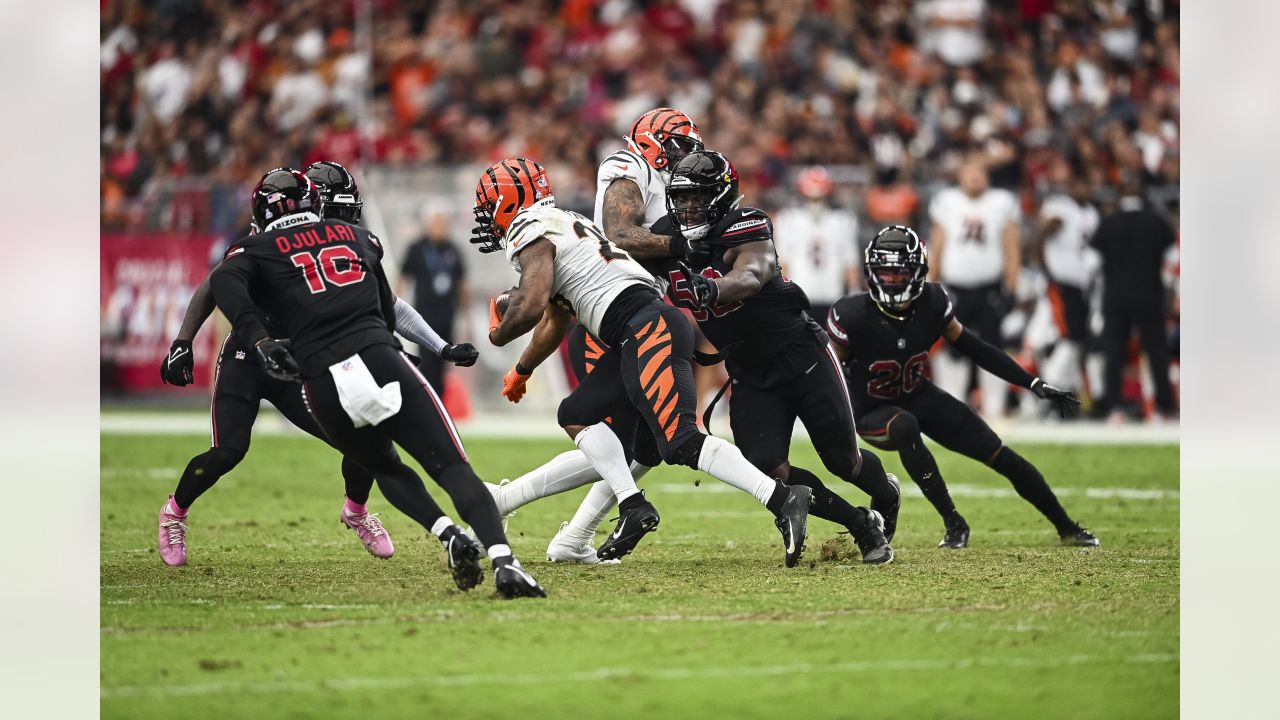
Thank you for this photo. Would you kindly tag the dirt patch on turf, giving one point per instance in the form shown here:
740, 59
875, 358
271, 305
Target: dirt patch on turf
837, 548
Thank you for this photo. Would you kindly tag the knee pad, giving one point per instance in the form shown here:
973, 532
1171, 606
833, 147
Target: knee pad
690, 451
904, 429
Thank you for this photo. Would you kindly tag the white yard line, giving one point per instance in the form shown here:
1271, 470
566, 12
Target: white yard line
956, 490
346, 684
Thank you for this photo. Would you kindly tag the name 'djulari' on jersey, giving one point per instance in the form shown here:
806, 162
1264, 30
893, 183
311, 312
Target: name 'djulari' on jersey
340, 265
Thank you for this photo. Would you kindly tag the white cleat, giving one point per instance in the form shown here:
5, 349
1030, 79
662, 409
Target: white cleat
566, 550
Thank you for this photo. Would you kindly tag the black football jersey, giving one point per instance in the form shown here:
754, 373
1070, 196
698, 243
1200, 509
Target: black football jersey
769, 336
322, 285
887, 356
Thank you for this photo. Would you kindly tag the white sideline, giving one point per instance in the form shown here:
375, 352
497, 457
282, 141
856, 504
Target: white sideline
662, 674
532, 425
956, 490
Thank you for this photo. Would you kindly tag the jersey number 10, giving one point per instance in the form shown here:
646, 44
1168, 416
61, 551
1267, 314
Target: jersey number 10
339, 265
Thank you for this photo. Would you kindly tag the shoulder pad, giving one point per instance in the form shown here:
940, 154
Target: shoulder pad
375, 243
527, 227
742, 226
624, 164
938, 300
843, 317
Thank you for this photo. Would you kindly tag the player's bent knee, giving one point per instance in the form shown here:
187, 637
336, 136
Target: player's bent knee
904, 429
646, 450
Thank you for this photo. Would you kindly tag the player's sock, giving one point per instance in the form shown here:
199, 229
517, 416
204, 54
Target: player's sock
358, 481
498, 550
724, 462
354, 508
566, 471
604, 450
171, 507
1031, 485
202, 472
591, 512
826, 504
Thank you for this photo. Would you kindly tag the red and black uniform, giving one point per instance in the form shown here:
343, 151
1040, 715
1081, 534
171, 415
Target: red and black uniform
886, 365
780, 366
322, 285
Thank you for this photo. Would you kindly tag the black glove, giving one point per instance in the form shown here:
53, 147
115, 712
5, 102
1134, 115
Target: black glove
462, 354
1062, 400
703, 288
176, 367
277, 361
695, 251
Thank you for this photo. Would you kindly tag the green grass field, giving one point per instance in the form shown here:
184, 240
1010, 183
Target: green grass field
281, 614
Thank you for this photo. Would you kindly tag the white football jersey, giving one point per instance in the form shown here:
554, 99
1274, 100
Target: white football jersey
652, 184
590, 271
973, 228
817, 249
1065, 250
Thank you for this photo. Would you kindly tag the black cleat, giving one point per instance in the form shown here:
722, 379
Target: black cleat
957, 533
464, 554
890, 514
872, 542
1078, 536
513, 580
793, 522
638, 519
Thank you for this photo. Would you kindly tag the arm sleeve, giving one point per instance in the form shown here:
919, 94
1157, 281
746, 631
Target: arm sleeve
992, 359
230, 285
411, 324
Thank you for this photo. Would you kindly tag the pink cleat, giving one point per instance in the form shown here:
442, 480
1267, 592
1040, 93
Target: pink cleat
173, 535
372, 534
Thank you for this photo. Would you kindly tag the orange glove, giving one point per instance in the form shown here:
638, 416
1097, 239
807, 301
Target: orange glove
513, 385
495, 317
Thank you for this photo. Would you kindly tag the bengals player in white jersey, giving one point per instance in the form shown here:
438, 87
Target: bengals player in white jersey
567, 266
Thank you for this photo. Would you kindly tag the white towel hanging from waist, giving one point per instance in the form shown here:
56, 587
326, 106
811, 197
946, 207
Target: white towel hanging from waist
364, 401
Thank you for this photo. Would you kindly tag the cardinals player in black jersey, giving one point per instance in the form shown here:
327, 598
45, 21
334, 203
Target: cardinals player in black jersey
240, 385
780, 364
322, 285
884, 336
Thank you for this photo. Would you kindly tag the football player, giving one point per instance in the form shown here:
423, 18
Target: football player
780, 365
884, 336
630, 196
567, 266
818, 244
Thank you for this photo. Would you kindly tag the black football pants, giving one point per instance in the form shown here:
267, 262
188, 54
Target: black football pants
424, 429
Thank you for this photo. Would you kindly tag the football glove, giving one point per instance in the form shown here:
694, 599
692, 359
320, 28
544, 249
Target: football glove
703, 288
496, 312
682, 248
177, 366
513, 385
462, 354
1062, 400
277, 361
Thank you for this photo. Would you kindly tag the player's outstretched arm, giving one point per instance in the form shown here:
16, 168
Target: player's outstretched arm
622, 218
753, 265
528, 301
987, 356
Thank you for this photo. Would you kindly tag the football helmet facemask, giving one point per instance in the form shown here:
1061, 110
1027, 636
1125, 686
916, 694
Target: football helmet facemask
504, 190
283, 192
663, 136
338, 188
895, 265
703, 188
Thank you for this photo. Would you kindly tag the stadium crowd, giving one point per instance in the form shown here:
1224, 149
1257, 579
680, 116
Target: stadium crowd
890, 95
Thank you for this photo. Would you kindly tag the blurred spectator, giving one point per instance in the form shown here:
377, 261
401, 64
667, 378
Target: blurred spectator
891, 202
976, 253
817, 243
437, 273
1133, 243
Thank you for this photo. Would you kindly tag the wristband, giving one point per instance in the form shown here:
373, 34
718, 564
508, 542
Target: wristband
522, 370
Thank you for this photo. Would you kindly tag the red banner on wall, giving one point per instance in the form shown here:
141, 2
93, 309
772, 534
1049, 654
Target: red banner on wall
147, 280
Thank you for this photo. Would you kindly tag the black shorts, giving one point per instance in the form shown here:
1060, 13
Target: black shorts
980, 309
239, 386
1070, 311
762, 417
941, 417
422, 426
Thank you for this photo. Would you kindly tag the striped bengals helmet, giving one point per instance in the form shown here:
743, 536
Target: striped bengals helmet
663, 136
505, 189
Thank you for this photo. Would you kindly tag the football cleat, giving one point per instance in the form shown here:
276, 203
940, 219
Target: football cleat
369, 529
564, 549
793, 522
640, 519
957, 532
872, 542
890, 514
1078, 536
173, 536
464, 554
513, 580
